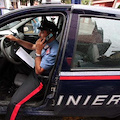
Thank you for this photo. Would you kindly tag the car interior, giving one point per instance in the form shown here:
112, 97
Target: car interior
14, 70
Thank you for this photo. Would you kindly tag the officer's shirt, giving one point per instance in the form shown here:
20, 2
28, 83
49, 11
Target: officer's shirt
49, 55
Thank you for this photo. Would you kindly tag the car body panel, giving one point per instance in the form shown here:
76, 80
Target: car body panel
80, 90
96, 91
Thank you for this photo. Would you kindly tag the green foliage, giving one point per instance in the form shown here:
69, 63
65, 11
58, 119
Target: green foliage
66, 1
85, 2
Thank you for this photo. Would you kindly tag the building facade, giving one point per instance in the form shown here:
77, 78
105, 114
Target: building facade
107, 3
14, 4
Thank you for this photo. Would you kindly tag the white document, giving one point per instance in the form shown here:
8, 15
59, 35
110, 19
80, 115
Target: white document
25, 57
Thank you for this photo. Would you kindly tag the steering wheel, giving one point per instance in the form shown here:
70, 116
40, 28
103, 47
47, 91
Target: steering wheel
9, 48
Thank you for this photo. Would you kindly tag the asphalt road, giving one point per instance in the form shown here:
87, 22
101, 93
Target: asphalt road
2, 117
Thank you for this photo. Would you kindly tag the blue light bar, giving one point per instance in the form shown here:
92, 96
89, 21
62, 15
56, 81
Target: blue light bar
76, 1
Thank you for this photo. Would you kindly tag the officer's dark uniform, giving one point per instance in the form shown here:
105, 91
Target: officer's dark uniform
33, 85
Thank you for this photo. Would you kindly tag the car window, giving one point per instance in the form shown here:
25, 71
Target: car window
97, 43
31, 26
10, 25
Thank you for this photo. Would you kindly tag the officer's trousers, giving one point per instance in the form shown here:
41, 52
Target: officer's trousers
26, 91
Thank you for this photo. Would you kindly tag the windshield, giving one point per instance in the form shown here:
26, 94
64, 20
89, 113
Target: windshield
9, 26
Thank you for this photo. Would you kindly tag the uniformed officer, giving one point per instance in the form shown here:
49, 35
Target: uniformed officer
45, 58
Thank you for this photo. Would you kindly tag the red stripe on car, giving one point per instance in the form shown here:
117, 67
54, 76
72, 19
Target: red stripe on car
89, 77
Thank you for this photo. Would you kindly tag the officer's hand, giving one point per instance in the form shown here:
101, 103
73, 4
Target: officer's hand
11, 37
40, 45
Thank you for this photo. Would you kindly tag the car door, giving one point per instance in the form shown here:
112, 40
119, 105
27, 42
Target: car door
90, 77
62, 17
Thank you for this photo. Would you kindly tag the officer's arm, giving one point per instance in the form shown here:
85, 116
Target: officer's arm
38, 69
26, 44
23, 43
39, 46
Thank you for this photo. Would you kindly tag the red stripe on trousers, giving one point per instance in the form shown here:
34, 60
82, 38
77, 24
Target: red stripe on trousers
17, 107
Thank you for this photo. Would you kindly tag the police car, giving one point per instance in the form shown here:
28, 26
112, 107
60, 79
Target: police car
85, 80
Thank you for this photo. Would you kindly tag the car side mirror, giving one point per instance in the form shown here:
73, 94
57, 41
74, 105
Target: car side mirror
26, 29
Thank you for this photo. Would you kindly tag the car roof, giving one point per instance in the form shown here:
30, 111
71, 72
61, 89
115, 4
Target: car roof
107, 10
75, 8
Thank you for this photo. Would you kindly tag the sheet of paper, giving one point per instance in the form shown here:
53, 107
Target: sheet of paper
25, 57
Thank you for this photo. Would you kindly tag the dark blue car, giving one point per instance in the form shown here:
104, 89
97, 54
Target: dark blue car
85, 80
